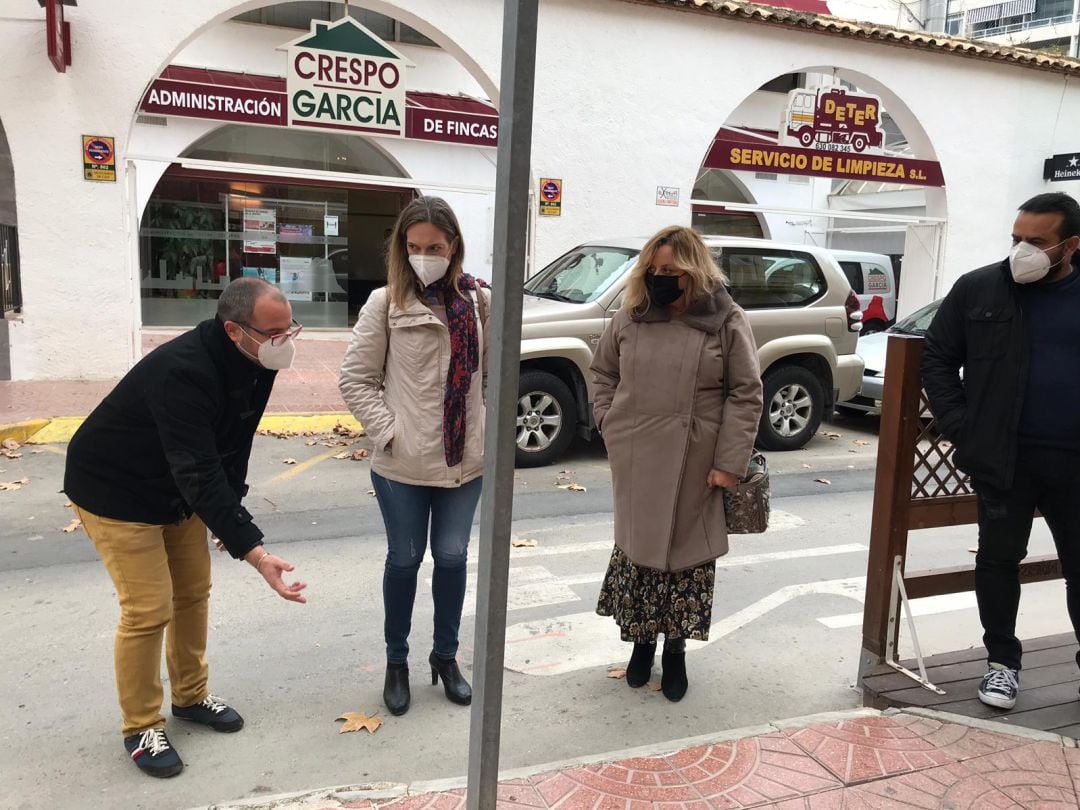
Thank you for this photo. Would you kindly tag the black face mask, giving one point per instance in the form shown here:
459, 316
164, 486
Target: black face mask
663, 290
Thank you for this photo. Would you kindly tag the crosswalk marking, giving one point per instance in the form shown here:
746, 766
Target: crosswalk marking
929, 606
583, 640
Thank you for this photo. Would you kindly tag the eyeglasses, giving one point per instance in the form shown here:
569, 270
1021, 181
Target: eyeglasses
277, 338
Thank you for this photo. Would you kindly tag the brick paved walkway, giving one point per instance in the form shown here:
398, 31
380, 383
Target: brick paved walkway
309, 387
879, 761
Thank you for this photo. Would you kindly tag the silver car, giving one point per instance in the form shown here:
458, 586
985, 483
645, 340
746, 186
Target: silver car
872, 349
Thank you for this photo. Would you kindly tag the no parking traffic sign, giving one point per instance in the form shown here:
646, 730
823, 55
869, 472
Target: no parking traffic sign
99, 158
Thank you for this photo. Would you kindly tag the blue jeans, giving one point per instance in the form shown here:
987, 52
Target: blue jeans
407, 512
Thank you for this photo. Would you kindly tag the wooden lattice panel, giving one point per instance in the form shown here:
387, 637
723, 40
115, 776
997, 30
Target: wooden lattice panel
935, 474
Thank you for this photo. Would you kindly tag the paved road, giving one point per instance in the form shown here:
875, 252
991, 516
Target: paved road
785, 637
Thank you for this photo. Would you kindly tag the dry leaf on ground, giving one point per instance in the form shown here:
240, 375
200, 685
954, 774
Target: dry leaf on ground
830, 435
354, 721
617, 672
371, 492
312, 443
523, 543
343, 456
75, 524
807, 467
359, 455
9, 444
10, 454
862, 442
654, 686
288, 461
11, 486
824, 481
572, 487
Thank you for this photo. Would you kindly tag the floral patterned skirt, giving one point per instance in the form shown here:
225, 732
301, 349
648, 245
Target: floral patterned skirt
645, 602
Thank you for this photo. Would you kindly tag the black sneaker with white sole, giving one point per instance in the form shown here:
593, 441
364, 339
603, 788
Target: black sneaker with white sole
212, 712
1000, 687
151, 751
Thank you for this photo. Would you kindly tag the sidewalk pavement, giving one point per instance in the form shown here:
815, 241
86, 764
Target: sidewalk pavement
844, 761
310, 387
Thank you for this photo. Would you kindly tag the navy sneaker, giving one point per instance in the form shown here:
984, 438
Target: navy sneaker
151, 752
212, 712
1000, 687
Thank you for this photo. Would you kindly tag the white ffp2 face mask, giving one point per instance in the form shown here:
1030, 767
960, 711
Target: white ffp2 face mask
429, 269
273, 358
277, 358
1028, 263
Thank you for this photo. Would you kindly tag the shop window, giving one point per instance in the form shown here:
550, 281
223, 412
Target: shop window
322, 246
766, 279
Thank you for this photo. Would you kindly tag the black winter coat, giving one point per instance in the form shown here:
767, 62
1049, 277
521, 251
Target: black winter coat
173, 438
981, 328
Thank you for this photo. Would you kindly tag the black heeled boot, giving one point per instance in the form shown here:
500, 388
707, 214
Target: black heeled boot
673, 682
640, 667
456, 687
395, 693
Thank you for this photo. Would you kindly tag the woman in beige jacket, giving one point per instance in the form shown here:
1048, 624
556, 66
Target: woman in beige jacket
413, 376
678, 398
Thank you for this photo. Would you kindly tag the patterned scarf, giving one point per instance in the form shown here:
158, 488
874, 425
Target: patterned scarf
464, 361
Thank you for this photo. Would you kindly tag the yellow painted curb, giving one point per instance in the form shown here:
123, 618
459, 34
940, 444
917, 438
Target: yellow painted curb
61, 429
22, 431
57, 430
307, 422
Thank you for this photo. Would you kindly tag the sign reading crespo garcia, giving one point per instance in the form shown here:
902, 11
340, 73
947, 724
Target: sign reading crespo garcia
341, 76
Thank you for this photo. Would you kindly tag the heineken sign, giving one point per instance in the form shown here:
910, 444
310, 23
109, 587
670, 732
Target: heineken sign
341, 76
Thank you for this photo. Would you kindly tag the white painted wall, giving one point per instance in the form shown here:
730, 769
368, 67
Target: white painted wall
614, 121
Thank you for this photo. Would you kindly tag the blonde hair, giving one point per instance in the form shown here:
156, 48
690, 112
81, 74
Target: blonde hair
691, 256
400, 277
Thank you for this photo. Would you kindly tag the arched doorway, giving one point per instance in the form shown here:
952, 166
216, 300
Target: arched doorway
832, 157
324, 193
320, 239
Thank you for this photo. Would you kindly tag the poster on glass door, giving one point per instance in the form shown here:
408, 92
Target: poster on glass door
296, 281
258, 221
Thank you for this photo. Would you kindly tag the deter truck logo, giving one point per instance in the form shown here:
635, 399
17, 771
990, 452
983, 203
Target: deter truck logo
341, 76
831, 119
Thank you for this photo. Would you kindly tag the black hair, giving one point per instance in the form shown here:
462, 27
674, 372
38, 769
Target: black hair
1057, 203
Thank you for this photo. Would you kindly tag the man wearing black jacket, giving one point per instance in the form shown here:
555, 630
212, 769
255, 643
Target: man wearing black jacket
1014, 416
163, 457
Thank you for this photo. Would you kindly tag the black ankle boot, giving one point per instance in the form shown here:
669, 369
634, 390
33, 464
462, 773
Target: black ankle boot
640, 667
395, 693
454, 683
673, 682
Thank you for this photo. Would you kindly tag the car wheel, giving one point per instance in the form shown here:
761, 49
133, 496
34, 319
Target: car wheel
793, 409
858, 143
546, 419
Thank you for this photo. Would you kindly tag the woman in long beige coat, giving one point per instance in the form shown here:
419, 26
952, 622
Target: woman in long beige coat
678, 398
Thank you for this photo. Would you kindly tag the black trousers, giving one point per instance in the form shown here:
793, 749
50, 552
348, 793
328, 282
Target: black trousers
1047, 479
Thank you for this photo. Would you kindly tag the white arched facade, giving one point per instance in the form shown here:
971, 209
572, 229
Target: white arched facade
644, 92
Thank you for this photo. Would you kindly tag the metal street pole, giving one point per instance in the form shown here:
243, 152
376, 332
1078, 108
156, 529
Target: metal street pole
508, 274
